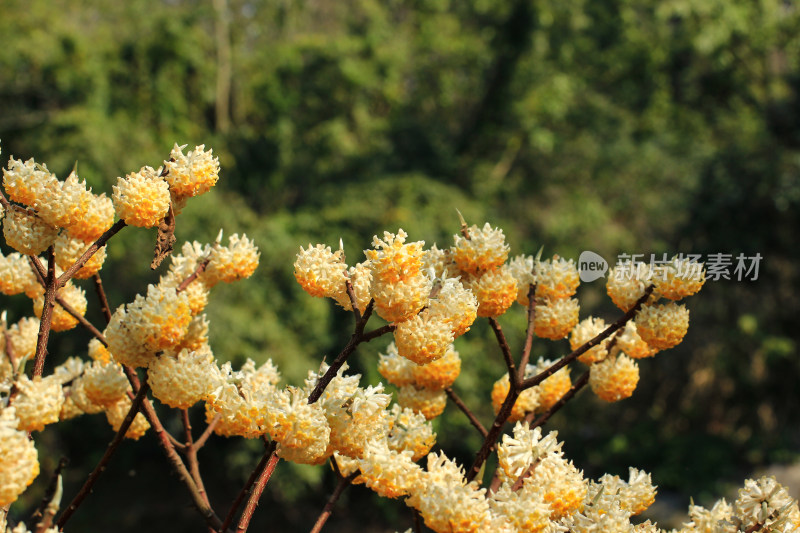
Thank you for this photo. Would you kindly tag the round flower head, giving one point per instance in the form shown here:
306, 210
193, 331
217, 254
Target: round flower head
62, 320
517, 454
104, 384
526, 509
25, 182
361, 280
142, 198
561, 483
662, 326
320, 271
410, 431
484, 250
709, 519
196, 337
440, 262
306, 434
639, 493
68, 250
98, 352
397, 370
393, 260
124, 340
27, 233
191, 174
585, 331
551, 389
422, 338
521, 267
20, 464
231, 263
360, 418
77, 397
527, 401
765, 502
23, 336
495, 290
161, 319
447, 502
555, 319
627, 283
399, 301
16, 276
196, 291
389, 473
430, 403
438, 374
679, 278
99, 217
183, 379
614, 378
632, 344
456, 305
64, 203
557, 278
38, 402
116, 415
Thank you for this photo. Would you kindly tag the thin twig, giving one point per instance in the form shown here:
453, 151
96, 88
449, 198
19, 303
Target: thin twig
47, 314
600, 337
513, 392
101, 295
501, 340
203, 508
328, 509
49, 507
99, 243
356, 338
101, 466
526, 349
191, 454
417, 524
199, 269
200, 442
464, 409
544, 417
255, 474
258, 489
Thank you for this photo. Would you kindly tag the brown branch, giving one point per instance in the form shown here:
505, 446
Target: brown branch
344, 482
351, 293
417, 525
464, 409
81, 319
191, 455
200, 442
199, 269
494, 432
258, 489
356, 338
47, 314
526, 349
101, 295
513, 377
101, 466
255, 474
600, 337
544, 417
99, 243
203, 508
47, 509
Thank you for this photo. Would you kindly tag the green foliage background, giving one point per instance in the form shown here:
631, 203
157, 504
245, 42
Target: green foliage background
619, 126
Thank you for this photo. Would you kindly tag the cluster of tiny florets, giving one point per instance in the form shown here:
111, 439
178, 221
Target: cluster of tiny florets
142, 198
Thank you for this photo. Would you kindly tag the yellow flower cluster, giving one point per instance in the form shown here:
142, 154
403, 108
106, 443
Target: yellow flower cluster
20, 464
535, 399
